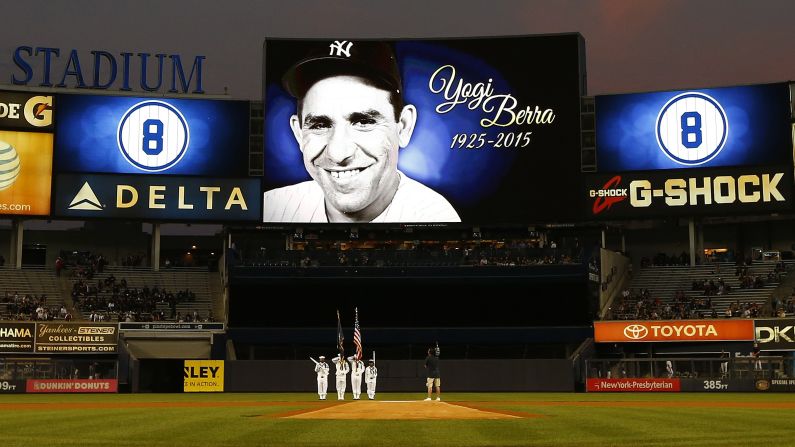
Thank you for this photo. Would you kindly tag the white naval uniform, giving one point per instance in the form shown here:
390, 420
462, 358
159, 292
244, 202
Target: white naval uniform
370, 374
322, 379
342, 376
357, 369
305, 202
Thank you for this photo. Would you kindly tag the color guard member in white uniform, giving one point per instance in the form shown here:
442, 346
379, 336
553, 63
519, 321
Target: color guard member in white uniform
342, 376
321, 368
357, 369
370, 374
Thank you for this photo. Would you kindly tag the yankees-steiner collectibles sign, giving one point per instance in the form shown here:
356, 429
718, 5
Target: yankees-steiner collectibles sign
680, 330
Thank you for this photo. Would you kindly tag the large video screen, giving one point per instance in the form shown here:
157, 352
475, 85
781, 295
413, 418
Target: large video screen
26, 146
131, 135
460, 130
704, 128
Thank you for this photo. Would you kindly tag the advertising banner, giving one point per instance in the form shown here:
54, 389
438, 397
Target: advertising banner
25, 173
444, 130
720, 191
157, 197
203, 376
678, 330
72, 386
129, 135
17, 338
26, 111
76, 338
775, 385
718, 127
775, 334
632, 385
170, 326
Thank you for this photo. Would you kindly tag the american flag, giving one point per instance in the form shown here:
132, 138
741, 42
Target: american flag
357, 336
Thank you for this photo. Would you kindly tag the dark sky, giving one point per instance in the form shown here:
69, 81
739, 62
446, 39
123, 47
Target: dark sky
632, 45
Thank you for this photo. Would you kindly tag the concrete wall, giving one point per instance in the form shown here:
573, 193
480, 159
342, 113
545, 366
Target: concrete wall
407, 375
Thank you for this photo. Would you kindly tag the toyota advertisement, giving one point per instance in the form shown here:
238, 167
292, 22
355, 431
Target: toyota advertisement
408, 131
669, 331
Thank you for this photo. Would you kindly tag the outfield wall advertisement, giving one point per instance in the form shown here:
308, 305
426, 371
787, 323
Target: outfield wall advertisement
201, 376
72, 386
457, 124
673, 385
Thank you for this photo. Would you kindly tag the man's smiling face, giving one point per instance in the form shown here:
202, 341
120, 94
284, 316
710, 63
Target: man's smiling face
350, 137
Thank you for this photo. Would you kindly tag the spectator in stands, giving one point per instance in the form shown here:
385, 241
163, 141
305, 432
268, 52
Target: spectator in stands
59, 265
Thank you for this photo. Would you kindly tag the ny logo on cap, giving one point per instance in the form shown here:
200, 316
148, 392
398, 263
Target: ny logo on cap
338, 50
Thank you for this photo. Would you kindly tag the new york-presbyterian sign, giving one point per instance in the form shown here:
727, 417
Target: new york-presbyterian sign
103, 70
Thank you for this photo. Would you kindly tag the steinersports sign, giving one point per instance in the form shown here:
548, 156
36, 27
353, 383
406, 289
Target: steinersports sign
76, 338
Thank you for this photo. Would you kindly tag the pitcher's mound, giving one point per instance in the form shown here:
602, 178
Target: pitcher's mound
402, 410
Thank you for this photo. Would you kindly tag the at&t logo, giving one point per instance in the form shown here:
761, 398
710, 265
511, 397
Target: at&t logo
153, 136
692, 128
636, 332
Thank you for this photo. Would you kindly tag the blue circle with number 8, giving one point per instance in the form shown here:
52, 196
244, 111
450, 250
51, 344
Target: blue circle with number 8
153, 135
692, 128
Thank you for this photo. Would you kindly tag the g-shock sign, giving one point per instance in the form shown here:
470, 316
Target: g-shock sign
701, 191
692, 128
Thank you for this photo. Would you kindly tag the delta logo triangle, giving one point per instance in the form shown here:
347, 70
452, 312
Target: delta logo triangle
85, 200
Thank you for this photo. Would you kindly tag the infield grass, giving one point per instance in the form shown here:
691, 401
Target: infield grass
198, 420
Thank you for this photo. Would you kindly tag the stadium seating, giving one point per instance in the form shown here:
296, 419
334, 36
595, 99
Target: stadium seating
664, 281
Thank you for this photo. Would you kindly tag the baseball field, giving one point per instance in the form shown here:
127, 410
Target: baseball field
461, 419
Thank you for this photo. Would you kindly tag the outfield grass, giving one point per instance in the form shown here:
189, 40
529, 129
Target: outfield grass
564, 419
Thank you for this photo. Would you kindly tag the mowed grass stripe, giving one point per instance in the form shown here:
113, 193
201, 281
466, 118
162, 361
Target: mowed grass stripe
569, 420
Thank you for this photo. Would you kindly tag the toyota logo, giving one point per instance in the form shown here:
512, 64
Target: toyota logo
636, 331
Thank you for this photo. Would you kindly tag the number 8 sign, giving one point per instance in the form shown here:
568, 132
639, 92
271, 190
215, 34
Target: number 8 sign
153, 136
692, 128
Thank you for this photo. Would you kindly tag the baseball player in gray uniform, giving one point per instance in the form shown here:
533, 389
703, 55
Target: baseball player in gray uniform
342, 370
321, 368
370, 375
351, 121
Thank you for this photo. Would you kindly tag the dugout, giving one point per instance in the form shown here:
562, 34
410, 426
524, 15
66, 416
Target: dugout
151, 356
